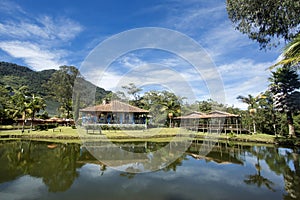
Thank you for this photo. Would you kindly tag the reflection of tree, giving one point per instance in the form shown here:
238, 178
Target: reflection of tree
279, 163
57, 167
173, 165
257, 178
10, 159
292, 178
60, 170
129, 175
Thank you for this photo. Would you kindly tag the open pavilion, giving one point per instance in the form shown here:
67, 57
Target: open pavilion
214, 121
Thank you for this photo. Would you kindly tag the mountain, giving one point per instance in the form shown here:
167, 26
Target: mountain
16, 76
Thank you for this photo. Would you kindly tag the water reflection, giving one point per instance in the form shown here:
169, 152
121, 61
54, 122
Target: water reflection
56, 167
257, 178
255, 170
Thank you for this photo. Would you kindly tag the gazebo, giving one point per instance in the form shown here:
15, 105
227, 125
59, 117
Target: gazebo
114, 112
214, 121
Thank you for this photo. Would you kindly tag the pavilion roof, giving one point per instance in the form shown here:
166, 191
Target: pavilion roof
114, 106
212, 114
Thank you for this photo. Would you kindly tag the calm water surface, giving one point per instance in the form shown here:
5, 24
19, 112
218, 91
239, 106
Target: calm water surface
40, 170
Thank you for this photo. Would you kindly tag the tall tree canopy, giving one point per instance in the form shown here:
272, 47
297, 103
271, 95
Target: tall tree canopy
265, 21
160, 104
252, 105
61, 85
284, 85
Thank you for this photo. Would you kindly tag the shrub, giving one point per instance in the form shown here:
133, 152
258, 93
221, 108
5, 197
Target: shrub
42, 127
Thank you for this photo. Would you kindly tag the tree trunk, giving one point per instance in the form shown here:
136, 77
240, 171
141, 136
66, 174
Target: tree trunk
290, 122
274, 123
254, 127
23, 124
32, 118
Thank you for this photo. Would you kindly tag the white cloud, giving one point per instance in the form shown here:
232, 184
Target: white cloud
39, 41
44, 28
222, 40
130, 61
20, 188
33, 54
61, 28
9, 7
192, 16
244, 77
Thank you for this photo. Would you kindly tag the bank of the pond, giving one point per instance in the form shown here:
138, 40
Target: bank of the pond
155, 134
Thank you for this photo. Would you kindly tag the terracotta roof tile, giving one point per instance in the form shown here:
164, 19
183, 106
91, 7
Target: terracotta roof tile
114, 106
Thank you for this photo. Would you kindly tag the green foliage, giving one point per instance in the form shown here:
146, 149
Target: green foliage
115, 127
265, 21
4, 99
284, 85
15, 76
291, 54
133, 91
160, 104
42, 127
60, 86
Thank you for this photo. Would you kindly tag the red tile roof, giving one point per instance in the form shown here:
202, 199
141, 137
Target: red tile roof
114, 106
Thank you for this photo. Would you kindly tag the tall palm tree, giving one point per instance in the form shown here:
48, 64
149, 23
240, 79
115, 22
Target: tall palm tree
34, 105
291, 54
251, 101
18, 104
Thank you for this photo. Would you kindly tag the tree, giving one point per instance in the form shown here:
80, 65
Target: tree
291, 54
34, 105
4, 99
267, 118
160, 104
284, 85
209, 105
18, 104
132, 90
61, 85
265, 20
252, 107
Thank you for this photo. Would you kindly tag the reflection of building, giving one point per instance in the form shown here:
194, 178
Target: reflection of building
219, 153
214, 121
114, 112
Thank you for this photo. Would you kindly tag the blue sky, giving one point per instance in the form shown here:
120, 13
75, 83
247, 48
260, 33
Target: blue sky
46, 34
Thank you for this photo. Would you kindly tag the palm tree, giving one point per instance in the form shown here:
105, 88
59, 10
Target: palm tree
18, 104
291, 54
34, 105
251, 101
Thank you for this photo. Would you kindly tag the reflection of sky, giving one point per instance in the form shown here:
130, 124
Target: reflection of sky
25, 187
193, 179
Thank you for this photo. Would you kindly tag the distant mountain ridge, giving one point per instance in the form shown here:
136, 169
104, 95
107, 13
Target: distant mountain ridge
16, 76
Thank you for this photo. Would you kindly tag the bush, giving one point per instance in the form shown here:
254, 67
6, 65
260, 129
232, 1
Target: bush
42, 127
114, 127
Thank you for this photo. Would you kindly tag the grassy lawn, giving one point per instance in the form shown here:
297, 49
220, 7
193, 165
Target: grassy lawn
65, 131
155, 134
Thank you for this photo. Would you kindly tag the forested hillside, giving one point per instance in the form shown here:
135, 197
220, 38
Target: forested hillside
15, 76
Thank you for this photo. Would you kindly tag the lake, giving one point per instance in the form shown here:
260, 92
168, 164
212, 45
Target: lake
43, 170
